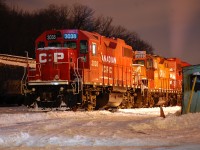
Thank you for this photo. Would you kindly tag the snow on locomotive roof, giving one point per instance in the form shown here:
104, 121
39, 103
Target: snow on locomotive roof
137, 65
53, 48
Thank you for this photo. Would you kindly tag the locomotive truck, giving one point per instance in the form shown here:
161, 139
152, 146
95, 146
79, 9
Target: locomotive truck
87, 70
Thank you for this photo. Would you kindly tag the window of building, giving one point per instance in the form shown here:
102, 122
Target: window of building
83, 47
70, 44
94, 49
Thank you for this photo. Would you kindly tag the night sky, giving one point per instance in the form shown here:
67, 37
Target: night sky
172, 27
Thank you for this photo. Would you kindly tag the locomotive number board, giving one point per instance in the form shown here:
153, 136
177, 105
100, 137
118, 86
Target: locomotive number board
70, 36
51, 37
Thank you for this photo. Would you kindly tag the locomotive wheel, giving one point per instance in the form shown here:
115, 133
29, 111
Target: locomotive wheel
74, 108
151, 102
34, 105
173, 102
128, 105
59, 100
72, 101
89, 107
102, 100
29, 101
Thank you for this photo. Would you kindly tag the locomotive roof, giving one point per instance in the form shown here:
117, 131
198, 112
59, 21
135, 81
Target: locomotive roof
109, 41
91, 35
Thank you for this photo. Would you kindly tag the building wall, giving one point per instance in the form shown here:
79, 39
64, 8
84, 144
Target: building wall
188, 74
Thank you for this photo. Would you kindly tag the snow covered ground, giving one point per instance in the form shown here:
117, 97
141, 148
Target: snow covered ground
123, 129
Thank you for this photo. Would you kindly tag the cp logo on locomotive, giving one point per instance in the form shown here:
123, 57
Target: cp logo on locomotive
57, 56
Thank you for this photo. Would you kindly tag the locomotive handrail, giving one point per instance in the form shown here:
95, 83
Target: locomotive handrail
82, 58
34, 69
76, 72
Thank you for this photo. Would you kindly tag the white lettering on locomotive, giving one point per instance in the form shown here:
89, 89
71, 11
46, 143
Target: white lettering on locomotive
108, 59
57, 56
42, 58
107, 69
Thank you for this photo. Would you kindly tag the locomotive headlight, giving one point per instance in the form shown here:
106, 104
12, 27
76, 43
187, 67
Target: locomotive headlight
33, 89
61, 89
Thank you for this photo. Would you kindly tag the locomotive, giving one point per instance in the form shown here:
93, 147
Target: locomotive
82, 69
164, 78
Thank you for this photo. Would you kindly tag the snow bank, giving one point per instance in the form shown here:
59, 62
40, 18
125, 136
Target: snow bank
36, 116
24, 139
131, 128
182, 122
151, 111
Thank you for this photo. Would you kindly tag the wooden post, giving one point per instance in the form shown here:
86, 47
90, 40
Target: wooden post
162, 114
191, 95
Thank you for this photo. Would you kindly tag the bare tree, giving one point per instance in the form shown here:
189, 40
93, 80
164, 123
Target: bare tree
19, 29
63, 17
103, 25
81, 16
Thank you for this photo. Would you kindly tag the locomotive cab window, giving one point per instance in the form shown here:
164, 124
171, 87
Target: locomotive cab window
140, 62
40, 44
145, 82
83, 47
149, 63
70, 44
54, 44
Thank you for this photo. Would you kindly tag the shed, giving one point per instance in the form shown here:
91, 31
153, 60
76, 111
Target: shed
191, 89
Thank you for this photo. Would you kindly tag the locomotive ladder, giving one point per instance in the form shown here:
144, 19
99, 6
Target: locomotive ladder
79, 86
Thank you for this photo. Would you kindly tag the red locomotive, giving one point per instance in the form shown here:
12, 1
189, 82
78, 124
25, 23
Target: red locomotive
85, 69
79, 68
